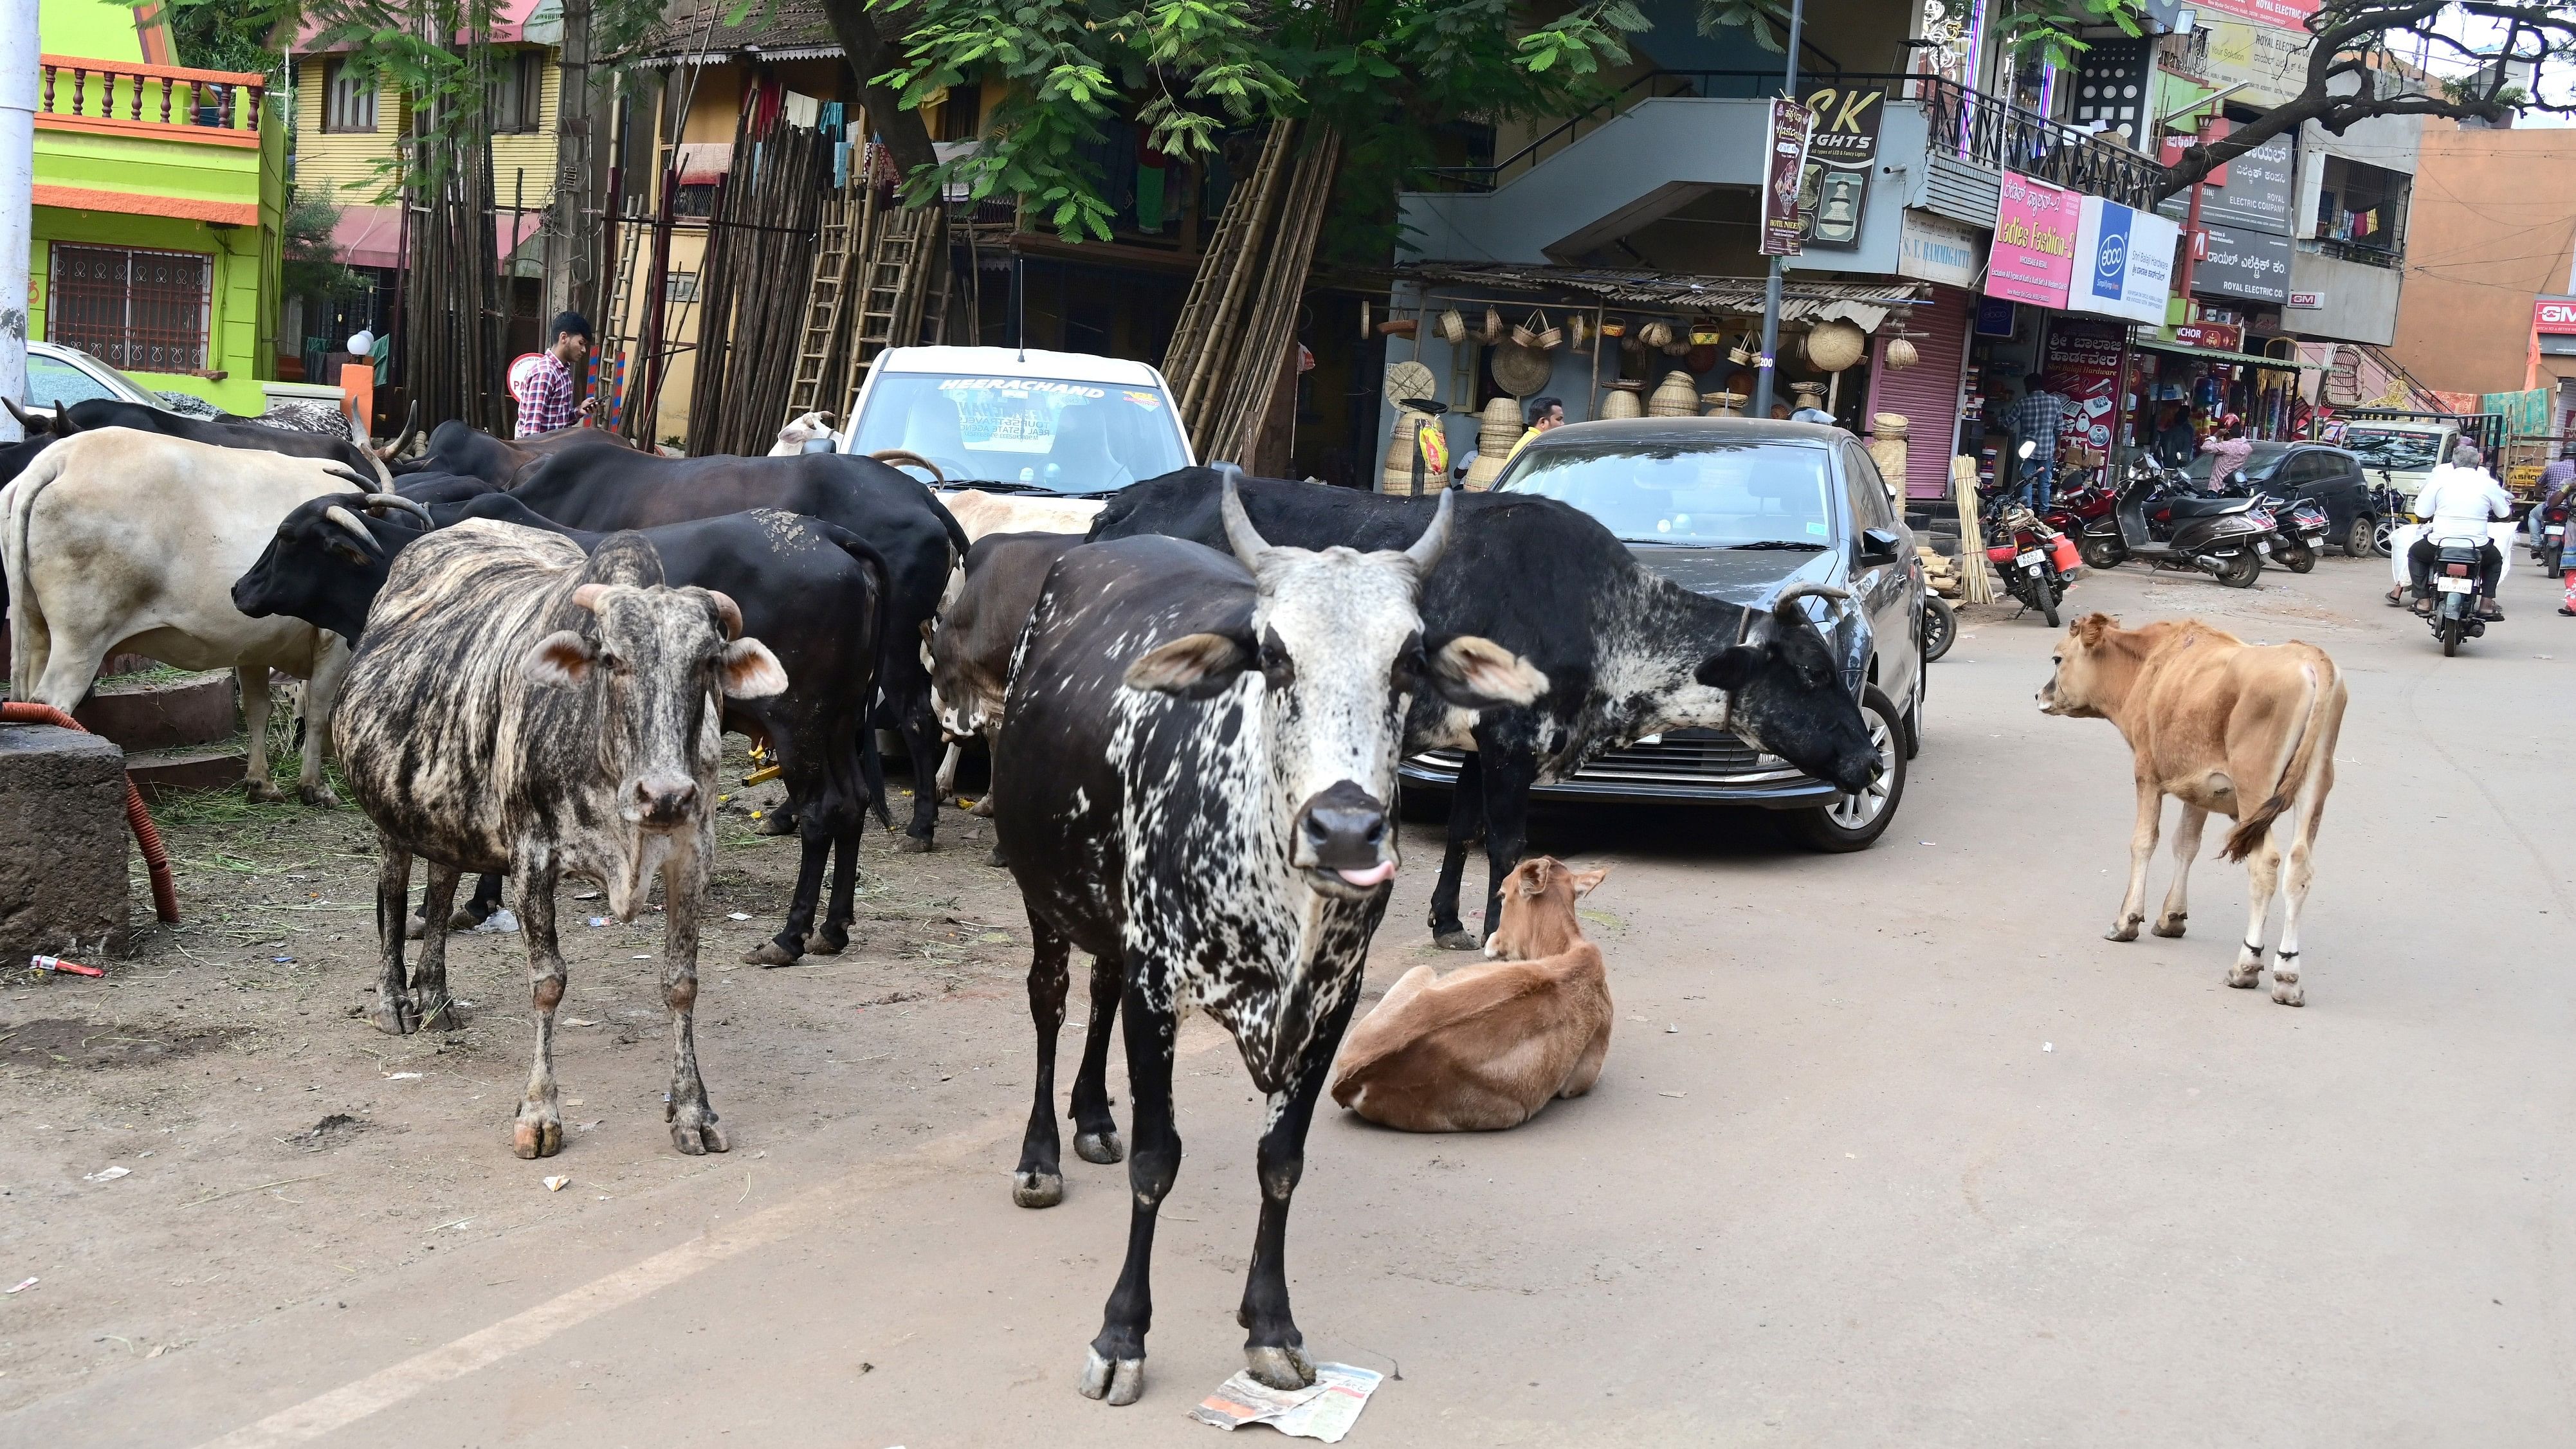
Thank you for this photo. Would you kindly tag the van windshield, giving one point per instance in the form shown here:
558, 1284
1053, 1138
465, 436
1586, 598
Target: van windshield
1707, 492
2400, 450
1046, 434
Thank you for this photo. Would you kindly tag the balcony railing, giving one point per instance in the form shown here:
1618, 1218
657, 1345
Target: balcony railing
1975, 127
171, 102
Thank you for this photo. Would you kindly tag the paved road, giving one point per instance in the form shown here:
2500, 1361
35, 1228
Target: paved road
1892, 1149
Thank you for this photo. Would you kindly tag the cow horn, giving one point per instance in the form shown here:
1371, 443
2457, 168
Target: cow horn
727, 610
408, 505
587, 596
1248, 543
30, 426
1434, 541
357, 530
62, 420
1795, 592
411, 425
903, 458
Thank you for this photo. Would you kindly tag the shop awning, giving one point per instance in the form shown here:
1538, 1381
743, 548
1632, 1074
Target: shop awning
1865, 304
2211, 354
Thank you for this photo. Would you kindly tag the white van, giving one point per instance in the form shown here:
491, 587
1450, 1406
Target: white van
1020, 420
2401, 455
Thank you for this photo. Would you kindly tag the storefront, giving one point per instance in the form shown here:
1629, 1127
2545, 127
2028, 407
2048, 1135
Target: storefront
2198, 382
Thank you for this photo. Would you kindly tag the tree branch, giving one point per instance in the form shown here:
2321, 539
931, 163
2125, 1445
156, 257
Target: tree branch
907, 139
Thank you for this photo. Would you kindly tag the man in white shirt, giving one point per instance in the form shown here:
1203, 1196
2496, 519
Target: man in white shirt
2459, 501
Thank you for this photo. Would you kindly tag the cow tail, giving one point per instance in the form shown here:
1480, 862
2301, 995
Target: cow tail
23, 608
2297, 761
871, 760
957, 540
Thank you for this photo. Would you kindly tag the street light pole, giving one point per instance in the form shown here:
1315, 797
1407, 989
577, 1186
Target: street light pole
1763, 376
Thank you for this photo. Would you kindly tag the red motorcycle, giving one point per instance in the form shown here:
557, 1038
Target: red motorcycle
2034, 558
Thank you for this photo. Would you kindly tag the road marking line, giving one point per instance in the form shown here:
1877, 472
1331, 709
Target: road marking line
338, 1408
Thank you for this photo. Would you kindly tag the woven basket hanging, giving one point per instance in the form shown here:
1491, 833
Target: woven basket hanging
1901, 352
1526, 333
1453, 327
1654, 334
1493, 326
1577, 331
1834, 346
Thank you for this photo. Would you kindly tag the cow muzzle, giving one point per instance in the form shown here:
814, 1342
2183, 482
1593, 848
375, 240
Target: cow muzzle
1344, 842
662, 801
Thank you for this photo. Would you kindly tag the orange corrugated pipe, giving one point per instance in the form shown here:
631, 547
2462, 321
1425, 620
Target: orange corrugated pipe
156, 858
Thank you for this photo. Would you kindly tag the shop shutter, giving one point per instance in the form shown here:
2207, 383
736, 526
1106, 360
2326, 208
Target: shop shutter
1928, 392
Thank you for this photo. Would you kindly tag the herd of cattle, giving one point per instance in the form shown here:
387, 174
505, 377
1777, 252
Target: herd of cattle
524, 654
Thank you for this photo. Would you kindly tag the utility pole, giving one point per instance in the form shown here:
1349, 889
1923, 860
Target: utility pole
20, 42
1763, 378
573, 226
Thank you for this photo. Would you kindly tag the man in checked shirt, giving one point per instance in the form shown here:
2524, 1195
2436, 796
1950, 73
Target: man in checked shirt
542, 381
2037, 418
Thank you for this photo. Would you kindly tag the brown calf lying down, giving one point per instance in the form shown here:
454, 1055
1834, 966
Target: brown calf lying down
1487, 1046
2242, 730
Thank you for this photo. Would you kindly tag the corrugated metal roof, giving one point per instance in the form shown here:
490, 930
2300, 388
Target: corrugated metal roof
1801, 299
784, 30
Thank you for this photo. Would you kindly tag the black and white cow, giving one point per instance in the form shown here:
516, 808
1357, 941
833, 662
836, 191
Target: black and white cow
1198, 755
514, 705
1627, 652
811, 591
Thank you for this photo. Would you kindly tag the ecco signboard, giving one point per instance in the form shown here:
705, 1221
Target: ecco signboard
2123, 261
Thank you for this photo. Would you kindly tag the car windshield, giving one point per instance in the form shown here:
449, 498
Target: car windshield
2259, 464
1707, 492
2398, 450
52, 380
1063, 436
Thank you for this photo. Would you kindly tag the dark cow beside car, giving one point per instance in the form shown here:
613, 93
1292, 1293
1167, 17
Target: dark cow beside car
1627, 652
811, 591
1195, 786
515, 705
469, 452
973, 640
604, 490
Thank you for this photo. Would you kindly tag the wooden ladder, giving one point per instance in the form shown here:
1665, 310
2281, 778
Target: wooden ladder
902, 264
823, 293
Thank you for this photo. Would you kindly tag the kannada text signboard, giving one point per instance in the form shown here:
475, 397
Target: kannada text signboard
2033, 257
1788, 158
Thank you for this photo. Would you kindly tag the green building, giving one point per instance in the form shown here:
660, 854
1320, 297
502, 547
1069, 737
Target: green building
160, 198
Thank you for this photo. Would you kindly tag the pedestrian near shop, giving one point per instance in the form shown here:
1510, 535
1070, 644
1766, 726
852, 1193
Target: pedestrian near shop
2228, 448
1544, 413
2040, 417
2558, 490
2174, 442
543, 381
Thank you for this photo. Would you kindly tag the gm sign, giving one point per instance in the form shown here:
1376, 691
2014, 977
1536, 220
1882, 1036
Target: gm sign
2554, 315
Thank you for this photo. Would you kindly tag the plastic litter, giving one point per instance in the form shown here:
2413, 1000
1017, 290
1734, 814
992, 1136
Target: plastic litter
2048, 1046
57, 963
109, 1174
23, 1286
556, 1184
598, 921
402, 1076
499, 923
737, 915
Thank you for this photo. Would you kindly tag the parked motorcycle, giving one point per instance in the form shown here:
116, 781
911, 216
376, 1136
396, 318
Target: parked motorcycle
2034, 561
2455, 593
2218, 536
2548, 531
2299, 526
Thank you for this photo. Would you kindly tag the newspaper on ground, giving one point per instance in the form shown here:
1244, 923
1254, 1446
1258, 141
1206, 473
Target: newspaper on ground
1324, 1410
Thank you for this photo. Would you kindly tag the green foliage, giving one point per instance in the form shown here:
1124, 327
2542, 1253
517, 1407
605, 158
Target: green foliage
1189, 71
310, 269
214, 35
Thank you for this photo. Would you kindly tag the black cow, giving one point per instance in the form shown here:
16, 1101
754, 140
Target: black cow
606, 489
809, 589
1198, 754
1627, 653
91, 414
470, 452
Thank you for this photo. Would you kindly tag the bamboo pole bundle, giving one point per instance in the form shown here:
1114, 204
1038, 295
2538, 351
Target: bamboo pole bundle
750, 326
1204, 338
1271, 328
1976, 586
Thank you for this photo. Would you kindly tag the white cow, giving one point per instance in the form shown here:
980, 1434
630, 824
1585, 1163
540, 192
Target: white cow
980, 513
118, 540
802, 429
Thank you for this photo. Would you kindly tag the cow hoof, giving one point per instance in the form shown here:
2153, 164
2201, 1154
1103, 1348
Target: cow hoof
2123, 930
1101, 1147
2245, 978
438, 1012
462, 919
983, 807
319, 795
2169, 927
416, 928
776, 822
1038, 1190
1280, 1367
538, 1132
771, 953
914, 845
261, 792
696, 1135
394, 1015
998, 860
2288, 993
830, 941
1121, 1382
1456, 939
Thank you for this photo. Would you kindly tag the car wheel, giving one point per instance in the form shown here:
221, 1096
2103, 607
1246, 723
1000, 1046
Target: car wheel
1855, 822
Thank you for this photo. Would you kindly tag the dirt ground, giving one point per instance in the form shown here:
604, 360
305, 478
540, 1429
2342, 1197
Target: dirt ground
221, 1066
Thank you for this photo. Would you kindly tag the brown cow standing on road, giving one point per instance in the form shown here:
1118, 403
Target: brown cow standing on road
2245, 730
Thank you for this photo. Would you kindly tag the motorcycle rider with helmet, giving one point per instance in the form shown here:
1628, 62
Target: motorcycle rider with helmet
2459, 501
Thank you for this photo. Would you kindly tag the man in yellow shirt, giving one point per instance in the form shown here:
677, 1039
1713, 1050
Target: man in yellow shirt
1544, 413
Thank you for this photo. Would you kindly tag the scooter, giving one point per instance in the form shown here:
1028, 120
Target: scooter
2217, 536
2548, 532
2455, 593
